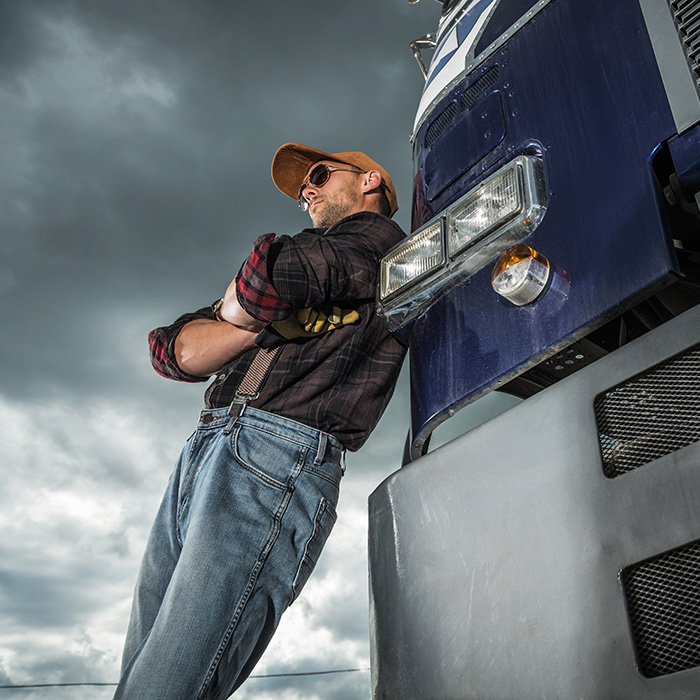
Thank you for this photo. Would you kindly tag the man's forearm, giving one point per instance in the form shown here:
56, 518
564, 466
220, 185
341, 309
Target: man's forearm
203, 347
234, 313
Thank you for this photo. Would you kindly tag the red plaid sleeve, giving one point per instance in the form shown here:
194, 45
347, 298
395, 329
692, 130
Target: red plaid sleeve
255, 292
161, 345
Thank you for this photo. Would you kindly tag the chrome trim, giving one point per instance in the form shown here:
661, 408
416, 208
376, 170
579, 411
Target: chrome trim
681, 90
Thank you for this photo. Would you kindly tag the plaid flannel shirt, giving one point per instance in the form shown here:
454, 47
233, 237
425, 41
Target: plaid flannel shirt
254, 288
339, 382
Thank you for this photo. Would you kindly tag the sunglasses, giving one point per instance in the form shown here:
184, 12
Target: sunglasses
318, 177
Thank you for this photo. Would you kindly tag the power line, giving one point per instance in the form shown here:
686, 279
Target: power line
310, 673
51, 685
268, 675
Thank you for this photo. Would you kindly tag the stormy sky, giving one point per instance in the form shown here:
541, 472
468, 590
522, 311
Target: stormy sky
136, 140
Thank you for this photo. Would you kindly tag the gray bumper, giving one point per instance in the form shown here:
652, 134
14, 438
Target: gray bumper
495, 561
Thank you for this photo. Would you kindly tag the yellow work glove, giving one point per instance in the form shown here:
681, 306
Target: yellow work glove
306, 323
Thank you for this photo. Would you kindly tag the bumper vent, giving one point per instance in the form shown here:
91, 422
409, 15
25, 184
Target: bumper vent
651, 415
663, 599
686, 15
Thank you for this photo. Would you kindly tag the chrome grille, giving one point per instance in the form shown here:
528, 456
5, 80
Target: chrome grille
686, 15
651, 415
663, 600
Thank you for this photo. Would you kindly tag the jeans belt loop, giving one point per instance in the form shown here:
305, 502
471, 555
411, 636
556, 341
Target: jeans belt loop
321, 452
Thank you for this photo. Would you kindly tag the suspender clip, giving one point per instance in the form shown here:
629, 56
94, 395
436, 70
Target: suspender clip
240, 401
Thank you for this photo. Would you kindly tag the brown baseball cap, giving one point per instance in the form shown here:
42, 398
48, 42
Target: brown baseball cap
292, 161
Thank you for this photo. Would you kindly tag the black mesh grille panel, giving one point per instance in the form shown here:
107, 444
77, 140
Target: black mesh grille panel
663, 599
686, 15
651, 415
473, 93
441, 123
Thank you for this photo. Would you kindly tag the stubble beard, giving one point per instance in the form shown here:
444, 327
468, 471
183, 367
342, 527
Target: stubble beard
331, 213
335, 208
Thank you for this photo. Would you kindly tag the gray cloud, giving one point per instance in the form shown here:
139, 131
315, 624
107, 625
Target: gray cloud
140, 141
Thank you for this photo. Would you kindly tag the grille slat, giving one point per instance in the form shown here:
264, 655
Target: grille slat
693, 14
693, 30
651, 415
685, 15
663, 600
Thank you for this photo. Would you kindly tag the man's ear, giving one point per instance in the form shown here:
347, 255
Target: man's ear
371, 181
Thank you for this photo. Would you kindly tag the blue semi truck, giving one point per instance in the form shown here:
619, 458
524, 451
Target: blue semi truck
553, 552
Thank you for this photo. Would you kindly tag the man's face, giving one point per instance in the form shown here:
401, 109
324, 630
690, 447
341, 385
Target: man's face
338, 197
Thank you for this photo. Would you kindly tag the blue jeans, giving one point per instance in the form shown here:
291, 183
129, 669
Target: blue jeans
244, 518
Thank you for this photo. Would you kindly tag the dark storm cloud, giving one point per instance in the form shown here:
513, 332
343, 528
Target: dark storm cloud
20, 39
141, 140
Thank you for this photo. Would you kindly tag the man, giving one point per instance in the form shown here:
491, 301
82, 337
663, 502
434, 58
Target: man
304, 370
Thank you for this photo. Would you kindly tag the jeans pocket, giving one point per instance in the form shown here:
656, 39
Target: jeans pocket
323, 524
274, 459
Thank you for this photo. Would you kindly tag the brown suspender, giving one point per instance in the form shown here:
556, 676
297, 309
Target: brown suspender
249, 388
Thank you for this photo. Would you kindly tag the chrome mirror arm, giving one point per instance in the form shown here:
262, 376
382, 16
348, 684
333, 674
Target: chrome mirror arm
423, 42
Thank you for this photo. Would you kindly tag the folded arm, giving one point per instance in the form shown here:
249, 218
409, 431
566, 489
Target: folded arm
281, 276
310, 269
203, 347
196, 346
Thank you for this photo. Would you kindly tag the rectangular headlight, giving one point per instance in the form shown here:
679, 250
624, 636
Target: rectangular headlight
499, 212
412, 260
494, 204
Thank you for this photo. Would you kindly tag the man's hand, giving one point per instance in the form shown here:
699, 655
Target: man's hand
306, 323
